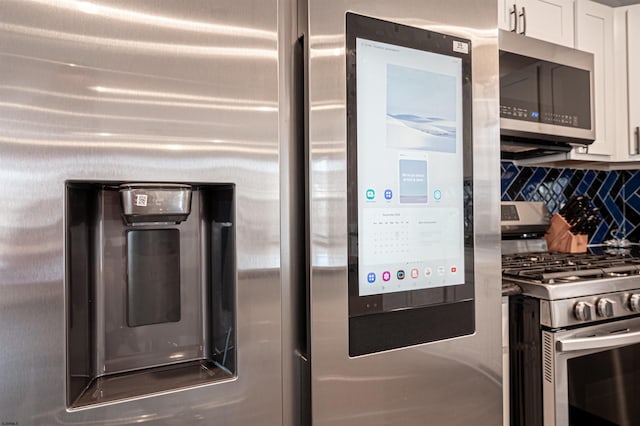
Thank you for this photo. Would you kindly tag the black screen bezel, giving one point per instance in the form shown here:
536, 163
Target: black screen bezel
375, 321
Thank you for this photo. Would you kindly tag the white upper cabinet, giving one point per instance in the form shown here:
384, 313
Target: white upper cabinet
633, 72
594, 33
549, 20
613, 36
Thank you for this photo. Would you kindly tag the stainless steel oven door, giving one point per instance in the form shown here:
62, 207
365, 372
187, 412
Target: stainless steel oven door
591, 375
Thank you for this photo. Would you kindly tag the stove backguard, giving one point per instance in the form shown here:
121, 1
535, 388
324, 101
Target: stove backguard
150, 293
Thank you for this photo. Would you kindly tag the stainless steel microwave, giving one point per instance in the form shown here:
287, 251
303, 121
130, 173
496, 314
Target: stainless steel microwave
546, 97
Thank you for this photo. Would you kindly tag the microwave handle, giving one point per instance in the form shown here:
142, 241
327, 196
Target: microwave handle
637, 138
523, 15
598, 342
513, 13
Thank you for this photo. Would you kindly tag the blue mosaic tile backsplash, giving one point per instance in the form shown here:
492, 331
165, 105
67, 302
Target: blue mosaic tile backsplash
615, 193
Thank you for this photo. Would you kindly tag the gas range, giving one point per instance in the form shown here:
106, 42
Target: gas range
574, 327
572, 288
576, 288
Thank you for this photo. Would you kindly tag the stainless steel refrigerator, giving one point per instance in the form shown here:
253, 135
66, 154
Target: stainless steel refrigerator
187, 205
140, 248
404, 312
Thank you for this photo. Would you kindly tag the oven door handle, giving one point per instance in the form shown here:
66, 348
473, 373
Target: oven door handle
598, 342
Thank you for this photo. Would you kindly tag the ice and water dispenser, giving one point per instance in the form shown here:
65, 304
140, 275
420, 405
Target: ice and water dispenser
150, 288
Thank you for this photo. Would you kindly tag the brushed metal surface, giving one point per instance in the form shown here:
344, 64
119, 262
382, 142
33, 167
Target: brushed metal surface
292, 219
455, 382
145, 91
566, 290
551, 52
555, 387
529, 213
561, 313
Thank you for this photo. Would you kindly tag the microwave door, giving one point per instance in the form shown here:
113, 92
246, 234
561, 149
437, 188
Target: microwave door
566, 101
519, 90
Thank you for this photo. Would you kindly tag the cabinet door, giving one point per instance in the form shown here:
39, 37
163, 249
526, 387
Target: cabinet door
594, 33
633, 69
550, 20
507, 14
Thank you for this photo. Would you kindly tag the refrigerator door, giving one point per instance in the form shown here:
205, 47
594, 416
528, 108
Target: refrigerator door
158, 91
454, 378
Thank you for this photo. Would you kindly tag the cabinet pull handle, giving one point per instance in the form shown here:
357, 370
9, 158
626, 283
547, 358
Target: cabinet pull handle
637, 140
513, 12
523, 15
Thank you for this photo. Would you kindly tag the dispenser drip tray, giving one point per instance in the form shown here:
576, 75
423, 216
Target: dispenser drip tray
116, 387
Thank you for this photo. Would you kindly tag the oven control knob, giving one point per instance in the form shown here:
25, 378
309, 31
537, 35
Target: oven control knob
604, 308
634, 302
582, 311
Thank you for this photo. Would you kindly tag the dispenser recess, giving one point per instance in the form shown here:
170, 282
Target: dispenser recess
150, 288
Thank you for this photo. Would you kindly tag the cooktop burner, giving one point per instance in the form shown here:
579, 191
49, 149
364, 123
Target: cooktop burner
578, 288
554, 268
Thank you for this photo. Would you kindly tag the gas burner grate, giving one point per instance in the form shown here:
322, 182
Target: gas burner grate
553, 268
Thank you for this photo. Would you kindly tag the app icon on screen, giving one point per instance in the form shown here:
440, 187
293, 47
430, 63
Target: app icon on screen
370, 194
371, 277
386, 276
388, 194
400, 274
415, 273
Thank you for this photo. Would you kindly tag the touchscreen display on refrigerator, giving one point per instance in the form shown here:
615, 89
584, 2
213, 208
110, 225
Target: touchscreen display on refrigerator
409, 168
409, 185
